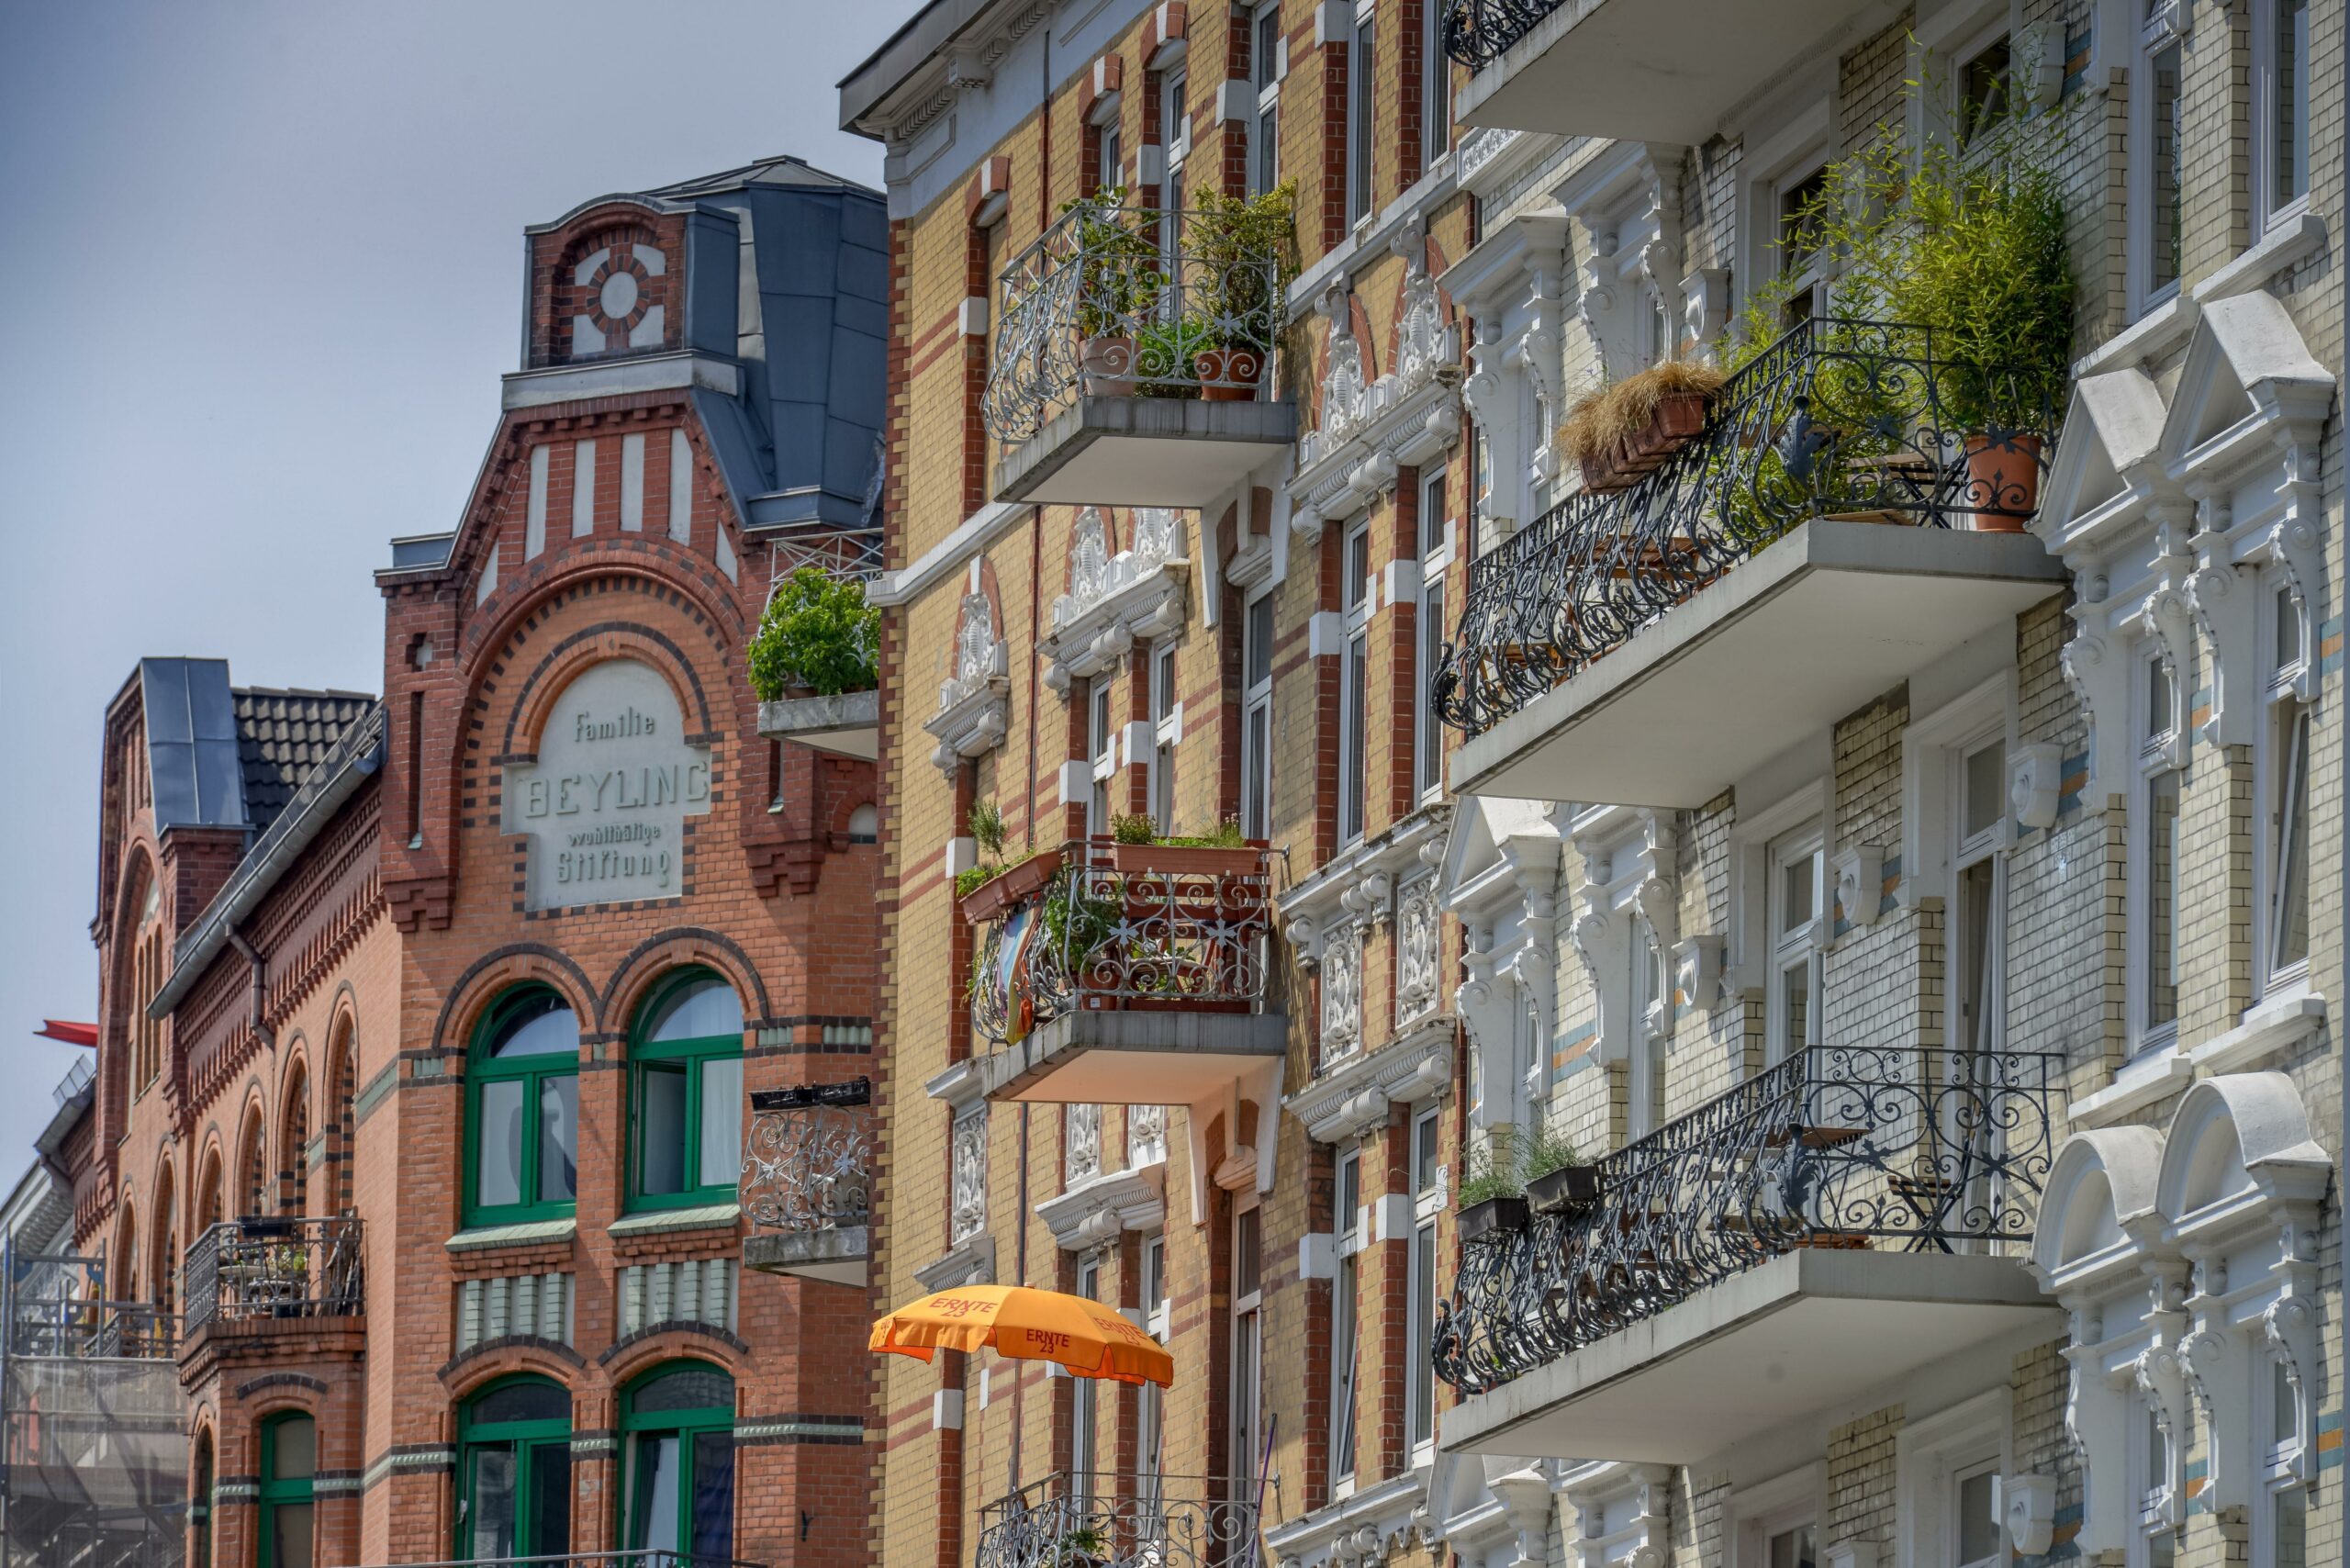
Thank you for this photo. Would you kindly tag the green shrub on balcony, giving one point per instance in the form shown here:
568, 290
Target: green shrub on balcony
817, 635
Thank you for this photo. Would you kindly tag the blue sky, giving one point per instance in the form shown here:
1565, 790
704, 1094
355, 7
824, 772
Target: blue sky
267, 264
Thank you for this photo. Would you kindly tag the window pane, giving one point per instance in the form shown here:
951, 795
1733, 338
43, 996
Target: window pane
550, 1497
2169, 151
687, 1388
1253, 795
661, 1127
1260, 640
1793, 1548
1986, 90
1350, 1194
289, 1529
2284, 1423
499, 1143
2292, 126
2293, 1528
1357, 583
2289, 630
489, 1522
2158, 700
2290, 930
1798, 899
1424, 1155
722, 1120
1986, 787
1794, 1005
1345, 1358
653, 1500
1265, 55
2162, 1548
1362, 120
1978, 1518
540, 1025
699, 1010
1420, 1370
558, 1139
2162, 899
1247, 1241
293, 1449
1351, 787
519, 1402
1432, 656
714, 1516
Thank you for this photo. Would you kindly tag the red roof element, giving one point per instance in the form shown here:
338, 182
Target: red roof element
71, 1033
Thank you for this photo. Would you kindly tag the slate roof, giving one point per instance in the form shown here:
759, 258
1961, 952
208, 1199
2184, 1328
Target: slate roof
281, 735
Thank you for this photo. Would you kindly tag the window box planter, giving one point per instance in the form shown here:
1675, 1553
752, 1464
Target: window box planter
1016, 885
1187, 859
1679, 418
1494, 1216
1569, 1190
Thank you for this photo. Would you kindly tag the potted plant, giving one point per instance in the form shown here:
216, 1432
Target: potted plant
1618, 432
1082, 1546
1491, 1201
1559, 1180
1117, 276
998, 882
817, 637
1240, 252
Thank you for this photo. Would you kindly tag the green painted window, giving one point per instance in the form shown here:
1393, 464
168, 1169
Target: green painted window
514, 1470
686, 1094
289, 1462
677, 1456
523, 1109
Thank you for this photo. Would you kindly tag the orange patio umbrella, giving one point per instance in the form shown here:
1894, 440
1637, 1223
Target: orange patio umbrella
1088, 1338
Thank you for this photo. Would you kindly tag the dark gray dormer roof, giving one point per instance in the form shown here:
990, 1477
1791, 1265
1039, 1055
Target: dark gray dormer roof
192, 744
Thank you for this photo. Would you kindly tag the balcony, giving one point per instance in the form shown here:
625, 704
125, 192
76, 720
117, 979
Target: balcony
637, 1557
273, 1280
807, 1182
1833, 527
1132, 360
1080, 1520
1125, 974
1738, 1266
56, 1312
848, 723
1631, 69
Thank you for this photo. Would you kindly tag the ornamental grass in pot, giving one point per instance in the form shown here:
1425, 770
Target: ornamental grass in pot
1623, 430
1559, 1180
1493, 1198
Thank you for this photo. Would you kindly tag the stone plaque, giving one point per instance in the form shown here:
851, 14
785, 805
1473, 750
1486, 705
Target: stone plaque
605, 805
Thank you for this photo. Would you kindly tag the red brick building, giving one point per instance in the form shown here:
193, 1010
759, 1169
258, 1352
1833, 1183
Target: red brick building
430, 1026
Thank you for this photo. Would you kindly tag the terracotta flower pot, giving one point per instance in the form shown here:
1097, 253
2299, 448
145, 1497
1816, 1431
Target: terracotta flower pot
1108, 363
1678, 419
1228, 375
2003, 473
1018, 885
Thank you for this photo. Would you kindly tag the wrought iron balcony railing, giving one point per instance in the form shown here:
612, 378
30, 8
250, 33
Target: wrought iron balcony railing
639, 1557
1478, 32
1850, 1146
810, 1159
102, 1330
1128, 927
241, 1270
1866, 421
1115, 300
1076, 1519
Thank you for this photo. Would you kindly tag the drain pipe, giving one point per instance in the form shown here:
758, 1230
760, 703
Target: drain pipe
260, 967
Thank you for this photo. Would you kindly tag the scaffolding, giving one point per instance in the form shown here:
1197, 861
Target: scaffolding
93, 1447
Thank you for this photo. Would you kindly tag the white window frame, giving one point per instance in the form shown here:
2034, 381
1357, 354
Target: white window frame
1436, 88
1752, 1517
1175, 143
1789, 946
1354, 684
2152, 39
1931, 1456
1110, 145
1421, 1270
2160, 741
1267, 67
1786, 142
2283, 710
1363, 116
1346, 1309
2154, 1500
1435, 560
1151, 1437
1085, 1405
1247, 1406
2267, 210
1167, 728
1256, 718
1987, 847
1644, 1077
1101, 750
2280, 1468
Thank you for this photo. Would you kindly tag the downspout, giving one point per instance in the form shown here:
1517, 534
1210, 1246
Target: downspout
261, 984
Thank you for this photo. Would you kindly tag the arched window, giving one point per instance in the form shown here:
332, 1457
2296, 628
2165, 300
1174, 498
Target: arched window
686, 1093
123, 1281
293, 1143
199, 1503
251, 1179
524, 1111
343, 1122
163, 1270
210, 1210
146, 980
677, 1431
514, 1470
289, 1464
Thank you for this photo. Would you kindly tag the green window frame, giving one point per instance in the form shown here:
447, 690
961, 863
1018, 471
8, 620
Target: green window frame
522, 1110
289, 1464
677, 1462
684, 1089
514, 1469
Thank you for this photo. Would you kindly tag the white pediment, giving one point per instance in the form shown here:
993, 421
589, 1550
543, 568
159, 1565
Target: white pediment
2246, 367
2098, 1200
2244, 1135
2112, 426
